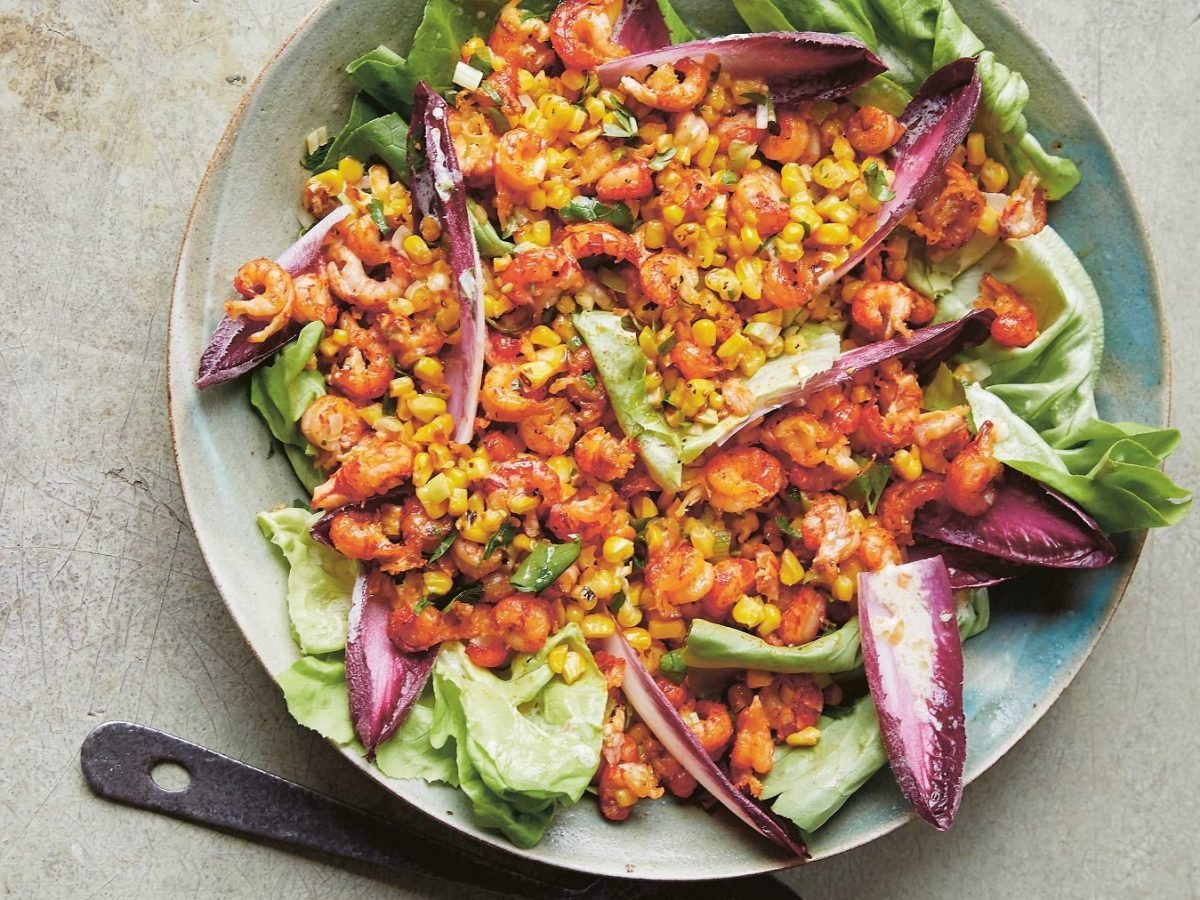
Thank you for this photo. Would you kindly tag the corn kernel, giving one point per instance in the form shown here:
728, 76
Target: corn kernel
330, 181
751, 240
715, 225
429, 368
993, 177
749, 274
573, 667
805, 737
989, 222
438, 583
733, 347
436, 490
598, 626
976, 149
673, 214
617, 549
558, 196
426, 407
757, 678
523, 503
351, 170
575, 613
655, 536
704, 332
539, 233
557, 658
457, 504
708, 152
748, 611
841, 149
418, 251
496, 306
422, 469
792, 179
752, 360
828, 174
535, 374
654, 235
907, 464
832, 234
629, 615
770, 621
843, 588
625, 798
456, 476
541, 336
638, 638
791, 571
845, 214
667, 630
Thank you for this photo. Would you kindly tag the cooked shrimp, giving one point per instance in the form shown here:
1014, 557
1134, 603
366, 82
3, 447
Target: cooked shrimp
363, 368
766, 575
627, 180
521, 39
871, 131
759, 200
691, 131
693, 191
623, 783
940, 435
805, 438
791, 703
603, 455
332, 423
694, 361
878, 548
410, 339
586, 239
732, 578
828, 533
313, 302
900, 502
521, 477
548, 435
377, 464
360, 235
581, 32
671, 87
795, 140
468, 556
888, 424
970, 476
503, 397
948, 217
587, 517
475, 146
886, 308
418, 529
359, 534
803, 615
538, 274
1016, 324
349, 281
742, 479
414, 632
713, 727
668, 276
753, 751
523, 622
678, 780
270, 295
677, 576
788, 285
741, 126
521, 161
1025, 213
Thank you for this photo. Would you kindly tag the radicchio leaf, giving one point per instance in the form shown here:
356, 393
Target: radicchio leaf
383, 681
936, 122
668, 726
641, 27
229, 352
437, 186
913, 656
967, 568
1027, 524
795, 65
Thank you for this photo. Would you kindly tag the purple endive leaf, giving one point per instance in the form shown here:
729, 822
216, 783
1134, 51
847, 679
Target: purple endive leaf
967, 568
668, 726
383, 681
928, 347
1027, 524
936, 122
437, 186
913, 656
229, 352
641, 27
795, 65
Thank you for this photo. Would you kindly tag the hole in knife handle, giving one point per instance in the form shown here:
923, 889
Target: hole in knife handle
170, 776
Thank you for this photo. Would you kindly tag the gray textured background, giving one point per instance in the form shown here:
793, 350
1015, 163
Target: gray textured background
109, 110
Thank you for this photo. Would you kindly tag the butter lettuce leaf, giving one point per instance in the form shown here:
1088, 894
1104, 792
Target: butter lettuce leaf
282, 391
320, 580
409, 754
315, 691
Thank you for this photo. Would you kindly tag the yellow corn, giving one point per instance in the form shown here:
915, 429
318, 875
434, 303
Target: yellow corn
976, 149
748, 611
541, 336
993, 176
770, 620
539, 233
806, 737
556, 659
751, 240
828, 174
907, 465
330, 181
638, 638
439, 429
559, 196
523, 503
438, 583
426, 407
351, 170
667, 630
655, 536
598, 626
573, 667
792, 179
495, 306
704, 332
429, 368
629, 616
418, 251
673, 214
537, 373
645, 508
457, 504
752, 360
733, 347
756, 678
749, 275
575, 613
843, 588
791, 571
436, 490
617, 549
989, 222
654, 235
841, 149
422, 469
832, 234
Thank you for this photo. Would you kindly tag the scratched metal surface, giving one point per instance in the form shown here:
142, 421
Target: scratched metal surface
109, 113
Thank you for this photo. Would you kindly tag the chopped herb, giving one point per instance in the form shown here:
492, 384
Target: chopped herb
793, 493
489, 91
440, 550
639, 525
868, 487
589, 378
618, 600
877, 183
575, 342
672, 666
379, 218
660, 161
589, 209
786, 527
467, 593
480, 64
421, 604
315, 161
620, 123
502, 538
666, 346
544, 564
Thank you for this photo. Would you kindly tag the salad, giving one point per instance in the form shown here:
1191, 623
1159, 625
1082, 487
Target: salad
668, 391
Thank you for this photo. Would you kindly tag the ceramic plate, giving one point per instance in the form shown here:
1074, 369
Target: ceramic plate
1041, 630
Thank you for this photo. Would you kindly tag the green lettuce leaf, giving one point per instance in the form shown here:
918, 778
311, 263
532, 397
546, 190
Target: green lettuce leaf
320, 580
409, 754
916, 38
282, 391
974, 612
688, 20
713, 646
315, 692
384, 138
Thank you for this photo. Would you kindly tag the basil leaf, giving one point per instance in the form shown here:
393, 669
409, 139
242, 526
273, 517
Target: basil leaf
868, 487
877, 183
467, 593
786, 527
589, 209
619, 599
440, 550
543, 565
502, 538
672, 666
378, 218
315, 161
660, 161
